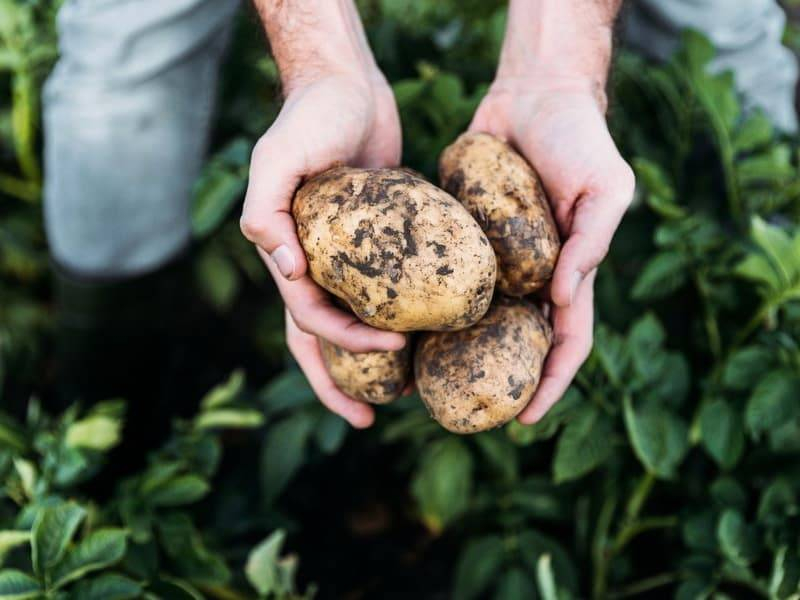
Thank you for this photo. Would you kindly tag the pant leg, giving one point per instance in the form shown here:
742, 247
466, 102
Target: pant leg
747, 35
127, 112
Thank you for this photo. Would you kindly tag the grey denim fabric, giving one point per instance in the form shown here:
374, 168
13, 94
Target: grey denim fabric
746, 34
126, 113
128, 107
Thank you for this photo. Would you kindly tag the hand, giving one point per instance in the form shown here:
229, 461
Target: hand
559, 126
338, 118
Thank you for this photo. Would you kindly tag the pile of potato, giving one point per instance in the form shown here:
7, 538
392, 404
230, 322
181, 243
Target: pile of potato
455, 265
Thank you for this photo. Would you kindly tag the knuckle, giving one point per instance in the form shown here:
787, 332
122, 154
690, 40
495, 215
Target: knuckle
254, 230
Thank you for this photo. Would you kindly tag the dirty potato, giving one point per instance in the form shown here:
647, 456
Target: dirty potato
505, 195
403, 254
482, 377
374, 377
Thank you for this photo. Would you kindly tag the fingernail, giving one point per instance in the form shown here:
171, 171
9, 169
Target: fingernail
577, 277
284, 260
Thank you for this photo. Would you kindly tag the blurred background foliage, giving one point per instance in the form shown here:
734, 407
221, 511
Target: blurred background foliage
670, 469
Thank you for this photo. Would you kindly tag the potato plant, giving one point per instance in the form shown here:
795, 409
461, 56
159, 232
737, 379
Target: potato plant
668, 470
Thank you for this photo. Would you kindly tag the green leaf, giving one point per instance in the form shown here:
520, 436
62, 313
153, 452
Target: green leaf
183, 489
746, 366
548, 426
225, 393
16, 585
262, 564
613, 354
726, 492
499, 453
722, 433
218, 279
771, 165
658, 437
443, 483
778, 500
646, 337
109, 586
737, 540
756, 267
777, 245
330, 432
699, 531
218, 188
772, 403
10, 539
754, 132
230, 418
533, 545
184, 545
100, 549
52, 532
97, 432
283, 452
515, 584
785, 573
663, 273
288, 390
477, 566
584, 444
546, 579
661, 192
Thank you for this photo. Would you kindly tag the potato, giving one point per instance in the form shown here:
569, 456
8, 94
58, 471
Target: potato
403, 254
374, 377
504, 194
482, 377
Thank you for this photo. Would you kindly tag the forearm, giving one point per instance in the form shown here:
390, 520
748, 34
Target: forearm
567, 41
314, 38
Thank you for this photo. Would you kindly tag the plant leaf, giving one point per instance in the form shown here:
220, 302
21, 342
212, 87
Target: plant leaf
722, 433
109, 586
52, 532
477, 566
100, 549
184, 489
442, 484
659, 438
262, 564
283, 452
772, 403
583, 445
663, 273
16, 585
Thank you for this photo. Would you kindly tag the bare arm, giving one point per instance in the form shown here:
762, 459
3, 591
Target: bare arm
316, 38
338, 109
548, 99
561, 41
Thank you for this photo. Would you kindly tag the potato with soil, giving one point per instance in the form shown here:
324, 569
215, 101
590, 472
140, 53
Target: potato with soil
403, 254
506, 197
482, 377
374, 377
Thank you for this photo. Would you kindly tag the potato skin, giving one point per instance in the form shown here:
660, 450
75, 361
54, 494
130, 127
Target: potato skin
374, 377
506, 197
482, 377
403, 254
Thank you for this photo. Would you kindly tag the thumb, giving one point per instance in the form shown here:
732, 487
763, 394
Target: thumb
593, 226
275, 173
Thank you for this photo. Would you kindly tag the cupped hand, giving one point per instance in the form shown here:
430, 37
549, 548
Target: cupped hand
337, 119
560, 127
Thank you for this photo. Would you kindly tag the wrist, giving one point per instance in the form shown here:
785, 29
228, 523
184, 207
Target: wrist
562, 44
315, 39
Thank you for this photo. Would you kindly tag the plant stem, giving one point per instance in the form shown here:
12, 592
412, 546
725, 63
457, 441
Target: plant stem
645, 585
601, 553
28, 191
639, 496
709, 318
627, 533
